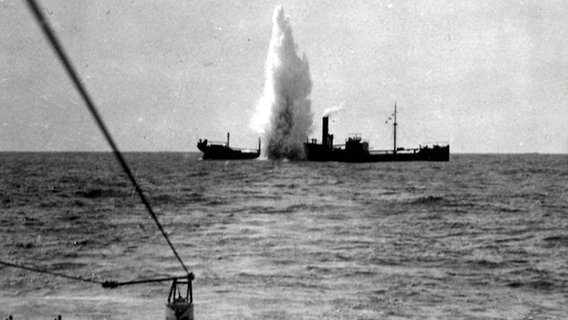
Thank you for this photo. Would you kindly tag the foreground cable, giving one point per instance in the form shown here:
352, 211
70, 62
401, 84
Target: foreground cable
91, 106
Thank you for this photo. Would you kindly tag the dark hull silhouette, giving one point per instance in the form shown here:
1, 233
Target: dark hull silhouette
357, 150
222, 151
319, 152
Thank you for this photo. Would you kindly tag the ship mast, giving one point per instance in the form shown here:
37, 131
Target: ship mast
394, 129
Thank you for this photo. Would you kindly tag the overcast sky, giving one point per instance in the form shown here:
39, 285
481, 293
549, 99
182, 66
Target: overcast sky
485, 76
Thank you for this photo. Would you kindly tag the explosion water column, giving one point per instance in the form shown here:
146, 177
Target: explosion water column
283, 113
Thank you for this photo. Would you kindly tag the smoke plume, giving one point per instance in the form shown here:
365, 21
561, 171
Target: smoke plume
283, 113
332, 110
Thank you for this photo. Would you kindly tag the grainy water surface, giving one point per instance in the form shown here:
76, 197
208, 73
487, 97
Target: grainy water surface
480, 237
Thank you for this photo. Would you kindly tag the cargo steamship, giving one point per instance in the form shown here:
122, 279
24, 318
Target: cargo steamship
357, 150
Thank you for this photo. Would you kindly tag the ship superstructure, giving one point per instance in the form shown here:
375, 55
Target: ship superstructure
356, 149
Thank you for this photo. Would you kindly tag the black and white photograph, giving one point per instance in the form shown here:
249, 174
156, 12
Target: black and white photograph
283, 159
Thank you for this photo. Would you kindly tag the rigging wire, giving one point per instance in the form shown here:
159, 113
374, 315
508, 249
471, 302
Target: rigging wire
105, 284
56, 274
50, 35
114, 284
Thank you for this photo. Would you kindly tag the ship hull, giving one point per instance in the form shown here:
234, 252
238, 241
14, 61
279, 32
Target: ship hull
221, 152
320, 152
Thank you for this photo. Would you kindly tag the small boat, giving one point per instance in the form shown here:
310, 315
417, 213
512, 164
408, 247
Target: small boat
222, 151
357, 150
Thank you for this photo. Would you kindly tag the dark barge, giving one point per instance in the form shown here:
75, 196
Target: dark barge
222, 151
357, 150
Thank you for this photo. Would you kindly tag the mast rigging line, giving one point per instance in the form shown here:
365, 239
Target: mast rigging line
115, 284
105, 284
55, 44
56, 274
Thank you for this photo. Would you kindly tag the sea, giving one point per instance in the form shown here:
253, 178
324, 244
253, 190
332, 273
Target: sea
484, 236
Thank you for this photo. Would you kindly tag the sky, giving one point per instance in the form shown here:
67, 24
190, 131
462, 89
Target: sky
483, 76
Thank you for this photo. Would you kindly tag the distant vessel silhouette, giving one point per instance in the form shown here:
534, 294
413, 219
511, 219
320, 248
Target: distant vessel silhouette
213, 150
357, 150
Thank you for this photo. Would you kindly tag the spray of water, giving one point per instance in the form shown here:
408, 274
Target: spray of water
283, 113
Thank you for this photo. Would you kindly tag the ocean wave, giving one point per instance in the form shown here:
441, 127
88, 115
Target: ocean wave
428, 200
557, 240
543, 285
93, 193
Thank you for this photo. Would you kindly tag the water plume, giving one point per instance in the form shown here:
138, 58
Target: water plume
283, 113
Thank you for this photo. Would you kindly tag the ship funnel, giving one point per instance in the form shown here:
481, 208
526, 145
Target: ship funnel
325, 130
